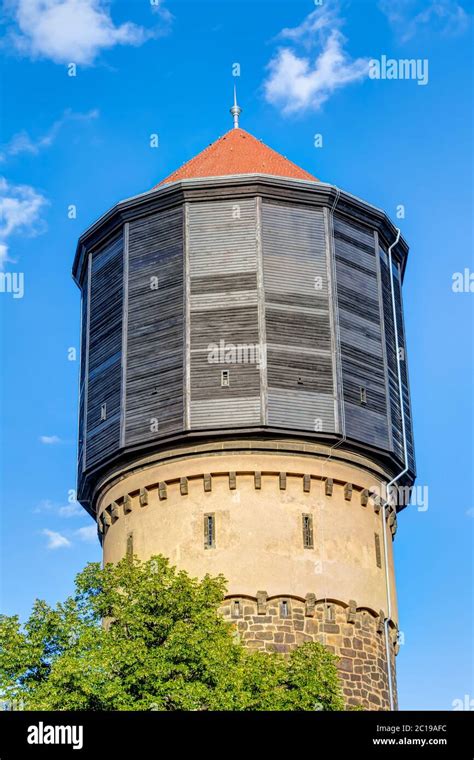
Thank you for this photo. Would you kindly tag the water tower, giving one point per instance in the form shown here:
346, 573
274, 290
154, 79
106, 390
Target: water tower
244, 398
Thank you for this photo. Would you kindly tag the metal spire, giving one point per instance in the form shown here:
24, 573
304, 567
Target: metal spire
236, 110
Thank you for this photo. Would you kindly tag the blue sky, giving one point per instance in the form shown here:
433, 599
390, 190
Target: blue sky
85, 141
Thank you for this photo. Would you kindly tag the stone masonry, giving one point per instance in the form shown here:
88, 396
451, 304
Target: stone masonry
355, 636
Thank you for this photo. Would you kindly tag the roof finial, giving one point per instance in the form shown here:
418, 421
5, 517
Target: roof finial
236, 110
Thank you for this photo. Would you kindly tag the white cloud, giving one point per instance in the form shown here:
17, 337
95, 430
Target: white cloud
71, 510
50, 440
316, 23
55, 540
20, 211
157, 6
70, 31
45, 505
470, 512
409, 17
23, 143
297, 82
87, 534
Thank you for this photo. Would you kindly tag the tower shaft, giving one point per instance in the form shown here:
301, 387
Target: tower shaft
296, 529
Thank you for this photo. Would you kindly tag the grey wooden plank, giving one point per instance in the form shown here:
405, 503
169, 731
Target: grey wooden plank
104, 352
300, 369
156, 326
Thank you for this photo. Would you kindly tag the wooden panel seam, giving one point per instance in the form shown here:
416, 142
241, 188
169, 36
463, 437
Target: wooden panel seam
261, 314
123, 404
86, 376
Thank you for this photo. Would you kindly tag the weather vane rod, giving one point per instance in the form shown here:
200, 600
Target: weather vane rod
236, 110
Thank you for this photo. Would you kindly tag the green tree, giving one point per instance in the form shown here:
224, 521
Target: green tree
145, 636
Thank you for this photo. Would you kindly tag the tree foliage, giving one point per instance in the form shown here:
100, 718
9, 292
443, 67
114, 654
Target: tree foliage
145, 636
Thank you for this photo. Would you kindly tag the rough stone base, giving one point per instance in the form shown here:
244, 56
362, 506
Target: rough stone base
355, 636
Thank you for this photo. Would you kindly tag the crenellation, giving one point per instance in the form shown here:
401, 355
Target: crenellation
310, 605
261, 602
351, 611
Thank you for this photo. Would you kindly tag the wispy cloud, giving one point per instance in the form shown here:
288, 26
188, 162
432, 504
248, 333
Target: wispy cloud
71, 31
50, 440
45, 505
316, 23
20, 212
409, 17
55, 540
88, 534
22, 142
158, 7
73, 509
470, 512
299, 81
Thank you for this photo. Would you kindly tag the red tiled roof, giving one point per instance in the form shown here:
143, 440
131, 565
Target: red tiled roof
238, 152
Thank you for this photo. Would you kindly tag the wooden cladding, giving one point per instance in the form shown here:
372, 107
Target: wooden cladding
361, 341
240, 313
155, 343
223, 314
102, 386
392, 363
298, 328
82, 382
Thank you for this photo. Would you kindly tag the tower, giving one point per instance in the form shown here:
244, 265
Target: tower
244, 403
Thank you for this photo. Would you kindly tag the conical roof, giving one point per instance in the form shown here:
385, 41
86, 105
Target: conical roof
238, 152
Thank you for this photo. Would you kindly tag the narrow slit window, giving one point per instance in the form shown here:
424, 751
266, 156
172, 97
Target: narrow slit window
236, 609
129, 551
209, 531
378, 554
225, 378
363, 395
284, 608
103, 412
308, 532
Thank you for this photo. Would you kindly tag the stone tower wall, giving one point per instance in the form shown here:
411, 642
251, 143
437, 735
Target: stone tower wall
281, 592
354, 635
289, 580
